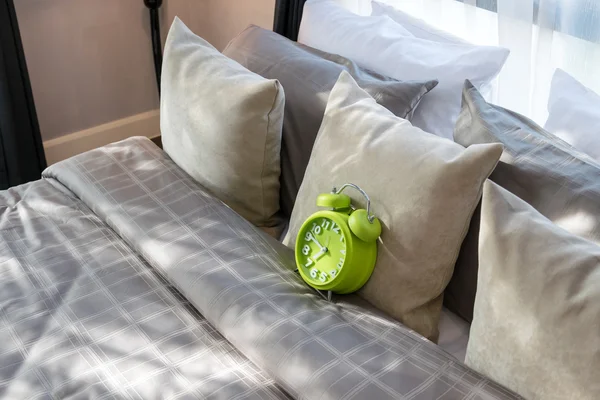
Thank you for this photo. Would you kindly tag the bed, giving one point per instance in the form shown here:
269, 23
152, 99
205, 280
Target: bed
129, 272
123, 278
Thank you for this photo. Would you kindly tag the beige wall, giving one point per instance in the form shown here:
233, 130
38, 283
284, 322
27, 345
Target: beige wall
90, 61
227, 18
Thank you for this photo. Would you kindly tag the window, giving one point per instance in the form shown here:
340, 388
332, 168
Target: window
542, 35
578, 18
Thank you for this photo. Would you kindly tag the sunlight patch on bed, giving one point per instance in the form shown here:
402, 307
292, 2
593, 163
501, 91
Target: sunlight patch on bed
579, 223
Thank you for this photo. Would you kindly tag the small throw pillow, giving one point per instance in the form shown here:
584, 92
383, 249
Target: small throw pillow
222, 125
382, 45
557, 180
536, 328
423, 189
574, 114
307, 76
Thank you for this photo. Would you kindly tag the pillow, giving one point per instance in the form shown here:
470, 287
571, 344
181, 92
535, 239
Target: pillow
574, 114
378, 43
420, 29
423, 189
222, 125
307, 76
557, 180
416, 27
536, 326
360, 7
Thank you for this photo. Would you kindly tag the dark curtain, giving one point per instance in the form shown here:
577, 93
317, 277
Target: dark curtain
21, 151
288, 14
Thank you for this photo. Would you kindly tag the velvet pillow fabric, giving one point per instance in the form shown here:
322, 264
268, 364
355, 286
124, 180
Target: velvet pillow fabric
307, 76
413, 178
560, 182
221, 123
536, 327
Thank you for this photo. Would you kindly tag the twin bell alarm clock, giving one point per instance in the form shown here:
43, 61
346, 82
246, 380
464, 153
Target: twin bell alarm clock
336, 248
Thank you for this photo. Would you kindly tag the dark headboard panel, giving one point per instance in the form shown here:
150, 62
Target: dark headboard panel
21, 151
288, 14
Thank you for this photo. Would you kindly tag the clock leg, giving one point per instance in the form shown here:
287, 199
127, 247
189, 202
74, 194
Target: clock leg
328, 297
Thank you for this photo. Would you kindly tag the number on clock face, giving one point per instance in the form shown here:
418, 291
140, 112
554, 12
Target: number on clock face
323, 250
316, 229
323, 277
306, 249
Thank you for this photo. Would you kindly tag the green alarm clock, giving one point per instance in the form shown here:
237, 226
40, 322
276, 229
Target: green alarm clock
336, 249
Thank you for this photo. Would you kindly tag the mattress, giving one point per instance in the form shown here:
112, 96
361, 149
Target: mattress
122, 278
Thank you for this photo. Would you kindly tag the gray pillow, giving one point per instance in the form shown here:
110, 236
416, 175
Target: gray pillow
557, 180
307, 76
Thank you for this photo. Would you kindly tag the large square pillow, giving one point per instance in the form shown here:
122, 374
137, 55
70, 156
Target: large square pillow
574, 114
307, 76
560, 182
416, 27
360, 7
423, 189
382, 45
536, 328
222, 124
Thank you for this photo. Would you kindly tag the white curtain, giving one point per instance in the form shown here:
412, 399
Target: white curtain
542, 35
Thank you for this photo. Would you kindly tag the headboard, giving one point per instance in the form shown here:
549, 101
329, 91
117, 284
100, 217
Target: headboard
288, 14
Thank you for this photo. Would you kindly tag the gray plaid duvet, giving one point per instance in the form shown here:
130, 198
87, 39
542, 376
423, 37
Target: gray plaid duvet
120, 278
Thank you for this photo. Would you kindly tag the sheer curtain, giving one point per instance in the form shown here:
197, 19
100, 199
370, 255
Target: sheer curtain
542, 35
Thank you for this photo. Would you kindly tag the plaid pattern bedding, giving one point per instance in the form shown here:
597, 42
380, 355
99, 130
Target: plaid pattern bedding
82, 316
122, 278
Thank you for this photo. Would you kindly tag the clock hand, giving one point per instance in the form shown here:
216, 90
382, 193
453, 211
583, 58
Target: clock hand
314, 239
323, 250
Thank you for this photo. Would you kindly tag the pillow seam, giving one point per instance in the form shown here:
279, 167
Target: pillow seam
424, 90
466, 227
265, 220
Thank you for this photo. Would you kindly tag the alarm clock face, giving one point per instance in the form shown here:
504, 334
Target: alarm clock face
321, 249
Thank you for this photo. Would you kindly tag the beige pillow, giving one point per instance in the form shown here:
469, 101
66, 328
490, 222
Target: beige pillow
222, 124
536, 326
424, 190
